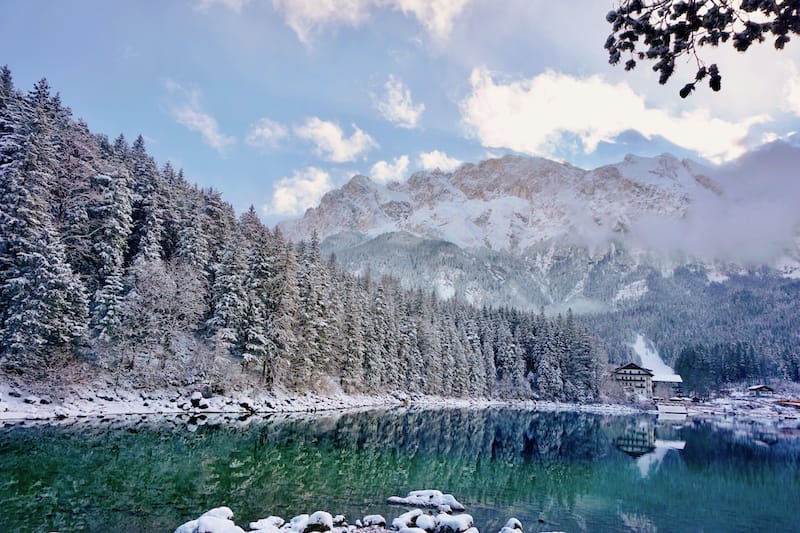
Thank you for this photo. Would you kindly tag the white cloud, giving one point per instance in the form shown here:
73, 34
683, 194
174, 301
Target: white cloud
307, 17
436, 16
266, 133
384, 172
436, 159
530, 116
792, 91
233, 5
292, 195
189, 113
331, 144
397, 106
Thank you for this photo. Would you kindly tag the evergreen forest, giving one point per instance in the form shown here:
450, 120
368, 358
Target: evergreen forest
111, 263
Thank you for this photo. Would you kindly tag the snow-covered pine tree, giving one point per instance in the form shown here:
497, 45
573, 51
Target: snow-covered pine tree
228, 296
43, 302
110, 223
147, 213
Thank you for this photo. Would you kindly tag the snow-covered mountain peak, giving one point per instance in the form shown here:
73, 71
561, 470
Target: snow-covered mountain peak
509, 203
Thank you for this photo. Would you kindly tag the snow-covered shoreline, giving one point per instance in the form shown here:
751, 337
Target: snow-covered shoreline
74, 402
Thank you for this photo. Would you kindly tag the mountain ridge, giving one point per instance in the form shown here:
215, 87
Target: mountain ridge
553, 228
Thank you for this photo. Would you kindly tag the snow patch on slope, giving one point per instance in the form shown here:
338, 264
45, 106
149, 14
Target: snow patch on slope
651, 360
631, 291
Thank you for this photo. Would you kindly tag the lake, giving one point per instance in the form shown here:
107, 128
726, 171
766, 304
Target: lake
552, 470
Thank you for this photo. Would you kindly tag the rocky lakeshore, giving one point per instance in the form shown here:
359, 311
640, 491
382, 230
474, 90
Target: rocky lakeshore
446, 516
23, 402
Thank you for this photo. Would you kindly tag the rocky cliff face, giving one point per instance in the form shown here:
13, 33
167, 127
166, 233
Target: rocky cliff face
532, 232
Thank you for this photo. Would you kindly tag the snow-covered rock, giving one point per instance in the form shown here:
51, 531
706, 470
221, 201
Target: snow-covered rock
428, 498
406, 520
319, 521
513, 523
216, 520
373, 520
188, 527
339, 521
214, 524
298, 523
426, 522
446, 523
412, 530
196, 398
268, 524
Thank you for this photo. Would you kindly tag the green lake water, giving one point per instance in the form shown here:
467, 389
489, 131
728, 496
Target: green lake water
566, 471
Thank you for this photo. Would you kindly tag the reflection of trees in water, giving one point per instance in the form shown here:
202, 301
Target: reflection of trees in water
498, 462
502, 434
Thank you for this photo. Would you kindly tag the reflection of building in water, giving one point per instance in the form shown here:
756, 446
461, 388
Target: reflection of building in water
637, 441
650, 461
641, 443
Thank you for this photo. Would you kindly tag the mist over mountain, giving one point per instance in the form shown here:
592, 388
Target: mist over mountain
626, 244
542, 221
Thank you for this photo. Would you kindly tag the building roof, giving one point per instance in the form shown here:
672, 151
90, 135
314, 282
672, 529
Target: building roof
668, 378
761, 388
633, 366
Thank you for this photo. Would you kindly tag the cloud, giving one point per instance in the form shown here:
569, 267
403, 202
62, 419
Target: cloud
292, 195
436, 16
792, 91
331, 144
233, 5
307, 17
384, 172
397, 106
266, 133
532, 116
436, 159
189, 113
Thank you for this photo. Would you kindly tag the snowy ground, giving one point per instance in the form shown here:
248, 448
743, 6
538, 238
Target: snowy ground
101, 401
745, 407
18, 402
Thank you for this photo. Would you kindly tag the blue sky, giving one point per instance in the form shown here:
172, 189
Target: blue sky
274, 102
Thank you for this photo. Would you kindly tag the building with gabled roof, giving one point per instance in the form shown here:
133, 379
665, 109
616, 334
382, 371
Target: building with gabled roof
635, 379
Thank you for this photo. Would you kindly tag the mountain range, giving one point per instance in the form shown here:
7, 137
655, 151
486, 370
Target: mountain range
531, 232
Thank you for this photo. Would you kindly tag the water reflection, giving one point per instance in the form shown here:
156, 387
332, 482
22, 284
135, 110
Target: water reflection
567, 471
641, 440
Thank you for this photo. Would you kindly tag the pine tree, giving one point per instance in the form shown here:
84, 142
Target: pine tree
43, 302
228, 295
111, 226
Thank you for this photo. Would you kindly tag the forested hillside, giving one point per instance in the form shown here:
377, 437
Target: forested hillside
109, 261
